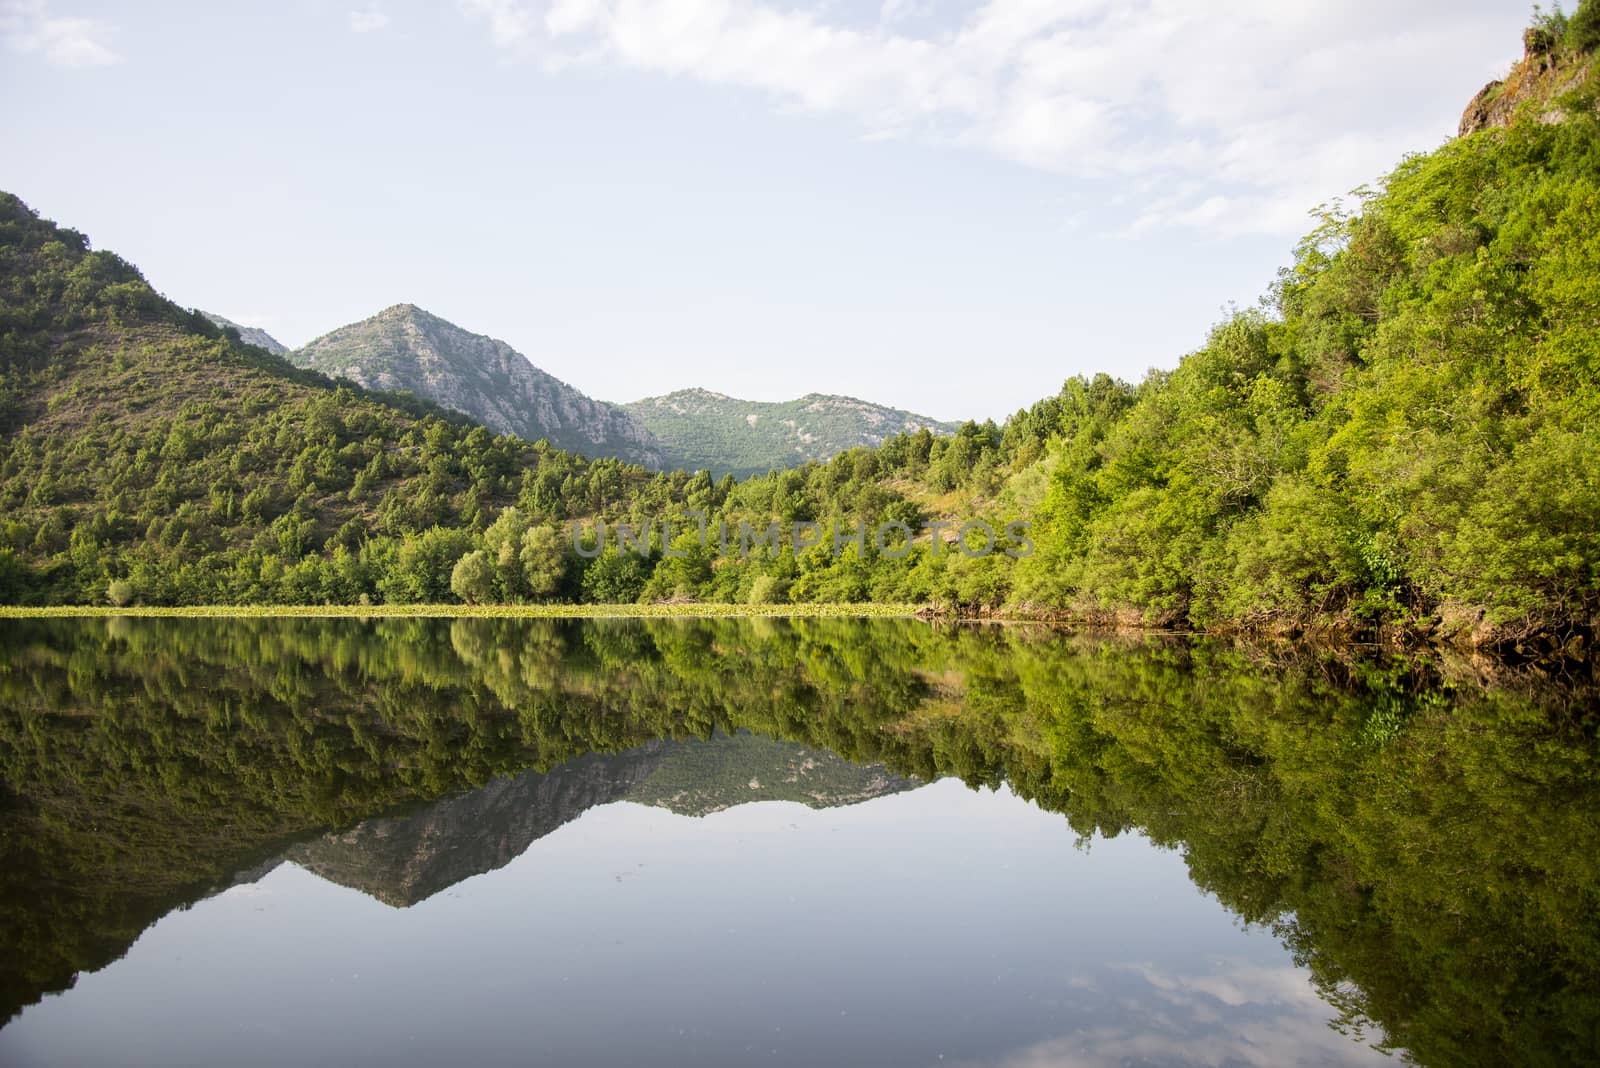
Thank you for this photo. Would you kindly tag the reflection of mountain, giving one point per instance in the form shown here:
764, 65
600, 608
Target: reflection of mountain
698, 778
403, 859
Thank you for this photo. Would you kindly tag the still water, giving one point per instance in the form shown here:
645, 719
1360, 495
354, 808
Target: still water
799, 843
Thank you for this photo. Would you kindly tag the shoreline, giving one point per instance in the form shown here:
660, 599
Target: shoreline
513, 611
1527, 648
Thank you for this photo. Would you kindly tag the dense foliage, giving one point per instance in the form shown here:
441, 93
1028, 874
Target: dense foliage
1405, 433
1409, 429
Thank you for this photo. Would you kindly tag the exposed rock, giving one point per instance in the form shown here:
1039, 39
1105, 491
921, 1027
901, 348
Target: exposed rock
1546, 72
406, 348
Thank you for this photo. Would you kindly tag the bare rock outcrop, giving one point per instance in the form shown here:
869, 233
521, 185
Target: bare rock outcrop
1547, 71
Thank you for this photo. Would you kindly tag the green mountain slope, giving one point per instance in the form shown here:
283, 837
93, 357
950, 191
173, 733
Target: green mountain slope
701, 429
250, 335
404, 348
146, 456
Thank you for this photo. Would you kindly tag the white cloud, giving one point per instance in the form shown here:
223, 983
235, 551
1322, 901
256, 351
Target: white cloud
512, 23
368, 20
904, 11
27, 26
1261, 108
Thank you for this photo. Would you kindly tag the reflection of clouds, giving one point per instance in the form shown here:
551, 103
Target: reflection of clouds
1241, 984
1240, 1014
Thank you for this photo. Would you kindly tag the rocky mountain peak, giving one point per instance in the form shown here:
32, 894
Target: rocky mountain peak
407, 348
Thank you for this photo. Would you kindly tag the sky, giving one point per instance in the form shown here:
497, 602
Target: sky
949, 207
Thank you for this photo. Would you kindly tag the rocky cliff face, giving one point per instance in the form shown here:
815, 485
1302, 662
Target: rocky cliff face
1549, 69
406, 348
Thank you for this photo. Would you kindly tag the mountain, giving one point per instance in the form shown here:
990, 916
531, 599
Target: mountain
250, 335
699, 429
404, 348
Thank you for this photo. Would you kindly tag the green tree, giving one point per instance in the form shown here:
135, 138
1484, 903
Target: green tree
14, 574
543, 558
473, 578
614, 578
503, 541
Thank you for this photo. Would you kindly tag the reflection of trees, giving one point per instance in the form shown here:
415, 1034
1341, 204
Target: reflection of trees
1426, 843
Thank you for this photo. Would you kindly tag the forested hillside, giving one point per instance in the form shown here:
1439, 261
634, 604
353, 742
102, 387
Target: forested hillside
1406, 431
1403, 435
148, 458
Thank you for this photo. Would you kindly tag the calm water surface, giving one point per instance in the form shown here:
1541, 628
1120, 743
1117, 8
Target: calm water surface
761, 842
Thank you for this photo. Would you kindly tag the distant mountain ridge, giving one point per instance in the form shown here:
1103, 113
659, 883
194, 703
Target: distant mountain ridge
250, 335
404, 348
699, 428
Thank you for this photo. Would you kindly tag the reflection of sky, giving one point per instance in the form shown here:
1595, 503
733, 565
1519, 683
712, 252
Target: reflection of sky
937, 925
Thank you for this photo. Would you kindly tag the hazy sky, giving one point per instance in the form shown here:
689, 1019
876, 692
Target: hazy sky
944, 206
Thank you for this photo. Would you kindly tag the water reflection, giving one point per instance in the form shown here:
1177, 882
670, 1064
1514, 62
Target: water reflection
1420, 838
406, 857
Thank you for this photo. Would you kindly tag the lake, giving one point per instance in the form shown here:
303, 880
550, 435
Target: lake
786, 842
